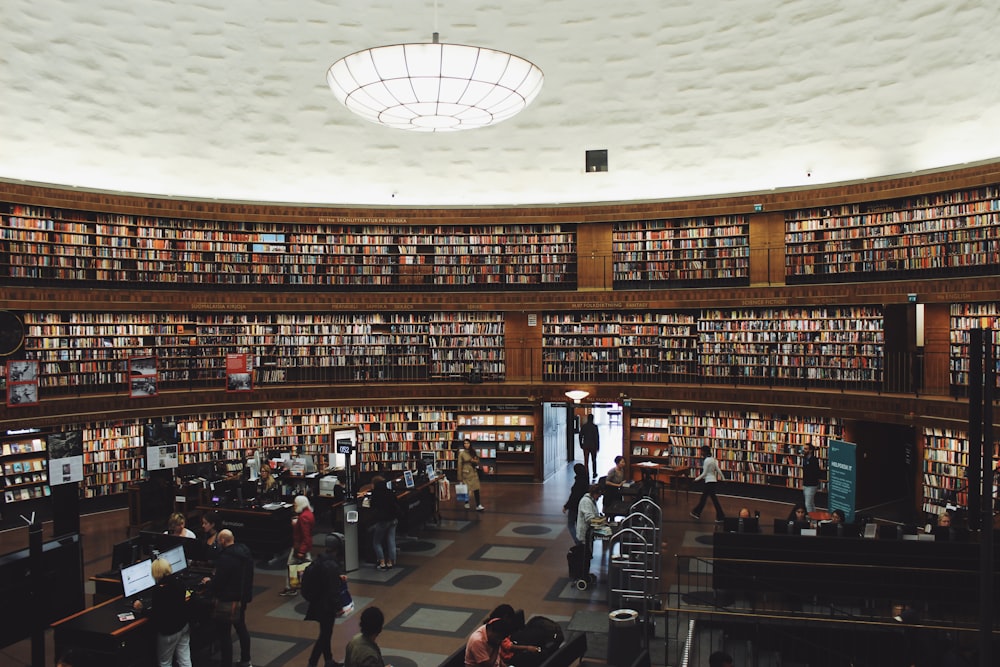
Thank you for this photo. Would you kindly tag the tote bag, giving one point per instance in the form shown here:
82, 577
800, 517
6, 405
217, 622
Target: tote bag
462, 492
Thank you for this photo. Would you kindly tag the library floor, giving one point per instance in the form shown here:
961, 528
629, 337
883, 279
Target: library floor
448, 576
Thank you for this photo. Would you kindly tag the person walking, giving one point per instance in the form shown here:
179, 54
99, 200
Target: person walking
385, 511
590, 442
303, 525
327, 606
572, 506
232, 581
362, 651
468, 472
711, 474
811, 474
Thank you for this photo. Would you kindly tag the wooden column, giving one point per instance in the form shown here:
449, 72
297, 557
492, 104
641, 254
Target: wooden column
594, 265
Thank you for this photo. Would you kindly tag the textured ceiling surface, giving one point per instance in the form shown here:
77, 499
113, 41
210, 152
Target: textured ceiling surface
227, 98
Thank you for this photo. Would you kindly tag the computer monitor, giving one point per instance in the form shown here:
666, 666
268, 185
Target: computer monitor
175, 556
786, 527
137, 578
733, 524
125, 553
408, 478
830, 529
153, 541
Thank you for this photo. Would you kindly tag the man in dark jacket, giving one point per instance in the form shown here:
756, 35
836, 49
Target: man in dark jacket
811, 475
327, 606
232, 581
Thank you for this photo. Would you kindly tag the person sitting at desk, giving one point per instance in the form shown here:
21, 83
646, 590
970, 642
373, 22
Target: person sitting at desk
614, 481
268, 490
176, 525
170, 617
799, 514
838, 517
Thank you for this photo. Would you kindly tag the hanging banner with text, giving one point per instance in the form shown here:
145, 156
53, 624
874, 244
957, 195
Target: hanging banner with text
843, 481
238, 372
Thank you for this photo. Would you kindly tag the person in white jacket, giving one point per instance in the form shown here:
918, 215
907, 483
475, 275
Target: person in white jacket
712, 475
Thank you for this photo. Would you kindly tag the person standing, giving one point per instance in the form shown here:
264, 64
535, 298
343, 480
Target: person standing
811, 474
590, 442
468, 472
586, 512
362, 651
572, 506
326, 608
385, 511
211, 525
303, 525
232, 581
169, 616
711, 474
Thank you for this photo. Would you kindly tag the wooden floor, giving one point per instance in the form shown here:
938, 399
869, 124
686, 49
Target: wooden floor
520, 541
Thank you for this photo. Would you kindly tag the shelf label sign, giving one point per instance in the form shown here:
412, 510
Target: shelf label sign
843, 477
238, 376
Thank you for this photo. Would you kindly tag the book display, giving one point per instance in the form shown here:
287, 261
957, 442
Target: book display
714, 250
90, 352
24, 465
505, 441
49, 244
946, 234
966, 316
752, 447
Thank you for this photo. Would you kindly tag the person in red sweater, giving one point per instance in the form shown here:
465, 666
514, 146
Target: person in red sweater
303, 524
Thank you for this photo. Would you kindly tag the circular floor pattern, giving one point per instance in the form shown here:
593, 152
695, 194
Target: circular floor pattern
531, 530
477, 582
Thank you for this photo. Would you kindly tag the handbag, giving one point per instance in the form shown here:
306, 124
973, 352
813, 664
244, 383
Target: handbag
226, 611
462, 492
346, 600
295, 571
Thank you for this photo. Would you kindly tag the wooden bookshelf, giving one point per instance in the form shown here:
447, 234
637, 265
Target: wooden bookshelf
818, 346
53, 245
88, 352
114, 458
964, 317
945, 234
505, 441
682, 251
946, 457
25, 473
752, 447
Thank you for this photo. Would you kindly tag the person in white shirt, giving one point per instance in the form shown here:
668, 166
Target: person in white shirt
176, 525
586, 511
712, 475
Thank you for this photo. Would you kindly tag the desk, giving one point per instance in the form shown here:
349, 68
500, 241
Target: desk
266, 533
101, 638
418, 505
675, 476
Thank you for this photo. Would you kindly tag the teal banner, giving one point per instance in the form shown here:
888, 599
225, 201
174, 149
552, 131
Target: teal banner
843, 477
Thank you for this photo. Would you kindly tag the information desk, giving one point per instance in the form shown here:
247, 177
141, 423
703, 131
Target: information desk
847, 567
100, 638
418, 506
267, 533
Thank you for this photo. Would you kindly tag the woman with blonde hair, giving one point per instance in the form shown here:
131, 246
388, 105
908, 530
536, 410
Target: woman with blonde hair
177, 525
169, 617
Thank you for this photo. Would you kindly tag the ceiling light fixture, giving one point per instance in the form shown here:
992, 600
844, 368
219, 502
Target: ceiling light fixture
577, 395
434, 87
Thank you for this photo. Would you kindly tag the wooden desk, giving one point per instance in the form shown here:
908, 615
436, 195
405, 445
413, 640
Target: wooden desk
98, 635
266, 533
674, 476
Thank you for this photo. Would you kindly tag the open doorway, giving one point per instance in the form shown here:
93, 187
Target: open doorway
561, 428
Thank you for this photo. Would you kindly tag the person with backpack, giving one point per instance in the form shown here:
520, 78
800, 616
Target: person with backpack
232, 581
322, 583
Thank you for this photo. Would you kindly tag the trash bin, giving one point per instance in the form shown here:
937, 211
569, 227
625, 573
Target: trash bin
624, 637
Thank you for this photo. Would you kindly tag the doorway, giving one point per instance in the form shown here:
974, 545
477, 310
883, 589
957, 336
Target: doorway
561, 425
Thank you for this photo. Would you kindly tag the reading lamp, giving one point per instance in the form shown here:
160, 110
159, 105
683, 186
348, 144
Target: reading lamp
577, 395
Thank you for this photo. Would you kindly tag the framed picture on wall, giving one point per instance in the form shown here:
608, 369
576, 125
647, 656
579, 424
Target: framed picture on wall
142, 377
22, 383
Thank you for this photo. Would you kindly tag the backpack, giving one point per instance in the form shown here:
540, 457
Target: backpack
313, 581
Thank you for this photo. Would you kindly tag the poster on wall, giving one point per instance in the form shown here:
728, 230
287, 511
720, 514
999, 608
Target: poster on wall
843, 477
65, 457
142, 377
238, 376
22, 383
161, 440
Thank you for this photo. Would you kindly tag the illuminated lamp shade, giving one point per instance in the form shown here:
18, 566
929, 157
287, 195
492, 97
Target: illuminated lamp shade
434, 87
577, 395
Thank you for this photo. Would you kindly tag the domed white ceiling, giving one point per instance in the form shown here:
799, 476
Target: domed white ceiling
227, 98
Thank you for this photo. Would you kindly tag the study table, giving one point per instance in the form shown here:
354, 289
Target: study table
650, 472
